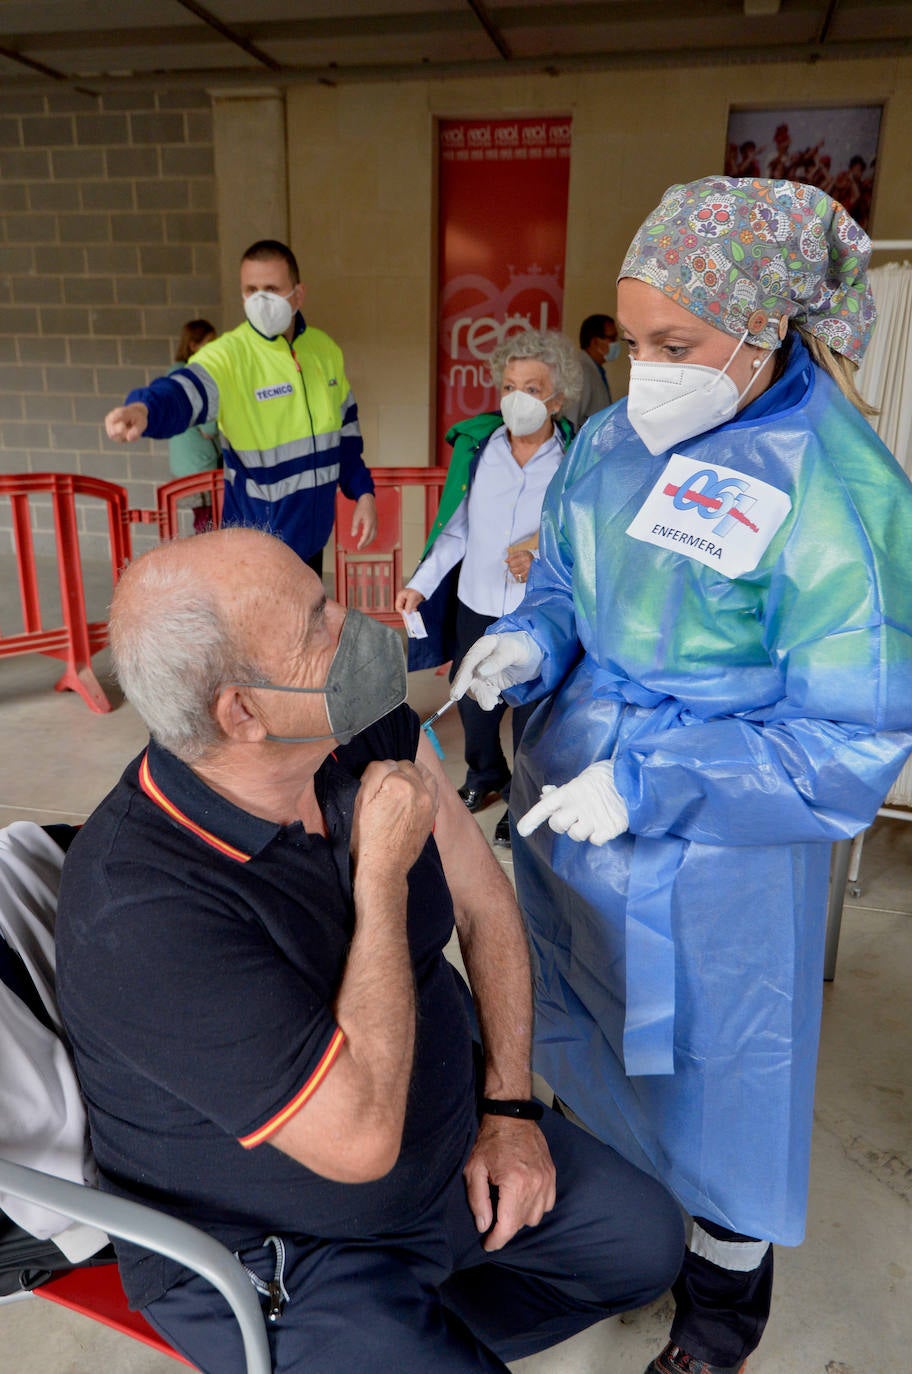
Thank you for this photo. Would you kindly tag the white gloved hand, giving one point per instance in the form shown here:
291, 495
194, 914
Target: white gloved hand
493, 663
588, 807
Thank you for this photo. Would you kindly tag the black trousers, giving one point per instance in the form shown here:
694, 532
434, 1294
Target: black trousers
429, 1298
487, 769
721, 1308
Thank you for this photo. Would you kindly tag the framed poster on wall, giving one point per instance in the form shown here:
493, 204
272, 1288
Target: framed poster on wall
502, 231
834, 148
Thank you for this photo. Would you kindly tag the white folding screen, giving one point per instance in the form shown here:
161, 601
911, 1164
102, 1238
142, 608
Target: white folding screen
885, 380
885, 376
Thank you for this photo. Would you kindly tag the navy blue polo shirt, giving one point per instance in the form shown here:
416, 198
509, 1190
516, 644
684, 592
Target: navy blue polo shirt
199, 953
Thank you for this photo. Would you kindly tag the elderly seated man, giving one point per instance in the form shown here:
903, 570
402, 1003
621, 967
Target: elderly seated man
270, 1041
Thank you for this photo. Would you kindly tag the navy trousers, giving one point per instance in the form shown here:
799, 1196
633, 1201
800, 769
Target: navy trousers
430, 1298
487, 769
723, 1296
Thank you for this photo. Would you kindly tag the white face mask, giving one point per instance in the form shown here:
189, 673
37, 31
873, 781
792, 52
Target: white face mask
523, 414
269, 312
670, 402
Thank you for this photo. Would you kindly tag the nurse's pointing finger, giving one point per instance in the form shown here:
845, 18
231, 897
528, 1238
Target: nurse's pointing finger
541, 811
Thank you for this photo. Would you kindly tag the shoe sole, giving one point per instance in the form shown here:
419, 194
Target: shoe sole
488, 800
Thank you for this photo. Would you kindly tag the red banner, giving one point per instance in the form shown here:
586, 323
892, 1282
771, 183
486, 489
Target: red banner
502, 231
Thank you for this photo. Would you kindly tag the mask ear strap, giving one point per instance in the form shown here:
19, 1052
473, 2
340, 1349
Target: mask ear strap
722, 371
737, 349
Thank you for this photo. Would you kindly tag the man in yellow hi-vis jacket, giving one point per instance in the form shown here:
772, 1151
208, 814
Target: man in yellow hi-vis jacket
289, 421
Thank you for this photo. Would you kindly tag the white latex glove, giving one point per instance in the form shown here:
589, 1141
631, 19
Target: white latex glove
493, 663
588, 807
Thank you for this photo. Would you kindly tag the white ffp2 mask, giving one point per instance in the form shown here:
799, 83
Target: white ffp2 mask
670, 402
523, 414
268, 312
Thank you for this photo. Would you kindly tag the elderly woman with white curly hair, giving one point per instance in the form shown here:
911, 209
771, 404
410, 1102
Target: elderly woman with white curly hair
485, 538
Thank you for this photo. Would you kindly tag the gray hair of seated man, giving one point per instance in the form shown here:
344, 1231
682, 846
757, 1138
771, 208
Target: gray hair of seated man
173, 649
547, 346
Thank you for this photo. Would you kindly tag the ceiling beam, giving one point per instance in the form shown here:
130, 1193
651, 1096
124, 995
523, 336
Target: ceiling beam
480, 11
167, 36
251, 35
12, 55
64, 78
231, 77
827, 22
230, 35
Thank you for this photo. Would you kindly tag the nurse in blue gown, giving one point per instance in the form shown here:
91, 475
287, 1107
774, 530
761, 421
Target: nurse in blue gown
719, 633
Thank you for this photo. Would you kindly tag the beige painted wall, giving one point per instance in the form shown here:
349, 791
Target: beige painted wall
362, 210
251, 181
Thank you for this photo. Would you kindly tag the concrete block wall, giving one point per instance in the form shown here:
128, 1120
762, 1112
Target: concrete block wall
108, 243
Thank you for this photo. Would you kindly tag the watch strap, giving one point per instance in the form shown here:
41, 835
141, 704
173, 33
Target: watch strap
520, 1108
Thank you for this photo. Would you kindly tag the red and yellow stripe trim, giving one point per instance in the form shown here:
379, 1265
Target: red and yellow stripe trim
310, 1087
153, 791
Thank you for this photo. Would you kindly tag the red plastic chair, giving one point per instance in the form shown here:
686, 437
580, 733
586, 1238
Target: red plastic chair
96, 1291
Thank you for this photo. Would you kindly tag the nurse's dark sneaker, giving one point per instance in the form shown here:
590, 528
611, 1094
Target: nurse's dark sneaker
502, 831
674, 1360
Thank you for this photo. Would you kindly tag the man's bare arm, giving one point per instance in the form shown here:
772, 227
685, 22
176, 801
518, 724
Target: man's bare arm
491, 937
510, 1154
350, 1130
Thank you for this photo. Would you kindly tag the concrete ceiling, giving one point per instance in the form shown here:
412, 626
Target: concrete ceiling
99, 45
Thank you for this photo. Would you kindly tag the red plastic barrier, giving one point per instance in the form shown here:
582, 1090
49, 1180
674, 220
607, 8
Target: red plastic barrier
207, 484
368, 580
76, 640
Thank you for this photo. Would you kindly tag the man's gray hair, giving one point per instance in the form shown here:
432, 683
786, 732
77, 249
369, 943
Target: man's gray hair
547, 346
172, 651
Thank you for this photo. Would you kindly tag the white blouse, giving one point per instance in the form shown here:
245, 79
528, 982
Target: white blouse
504, 506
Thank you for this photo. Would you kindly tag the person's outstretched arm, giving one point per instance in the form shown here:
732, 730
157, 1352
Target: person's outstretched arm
165, 407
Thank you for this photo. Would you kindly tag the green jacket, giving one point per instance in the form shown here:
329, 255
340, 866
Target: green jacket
467, 438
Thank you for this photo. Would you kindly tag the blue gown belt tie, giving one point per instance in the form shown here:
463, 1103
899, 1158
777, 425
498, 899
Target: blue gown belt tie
650, 957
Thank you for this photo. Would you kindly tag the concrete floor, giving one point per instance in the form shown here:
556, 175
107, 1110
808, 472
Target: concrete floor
842, 1301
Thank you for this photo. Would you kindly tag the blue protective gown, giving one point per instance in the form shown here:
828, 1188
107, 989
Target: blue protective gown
753, 720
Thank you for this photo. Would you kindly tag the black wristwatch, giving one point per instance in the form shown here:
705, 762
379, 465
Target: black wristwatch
521, 1108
